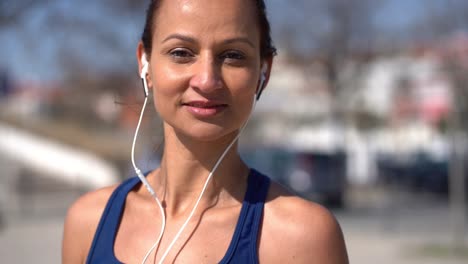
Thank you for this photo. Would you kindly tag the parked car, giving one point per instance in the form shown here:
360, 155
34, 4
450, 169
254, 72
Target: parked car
417, 172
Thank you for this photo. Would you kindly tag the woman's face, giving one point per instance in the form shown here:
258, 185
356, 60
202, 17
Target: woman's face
205, 65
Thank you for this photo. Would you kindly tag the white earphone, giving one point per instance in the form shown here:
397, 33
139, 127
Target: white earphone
144, 72
263, 76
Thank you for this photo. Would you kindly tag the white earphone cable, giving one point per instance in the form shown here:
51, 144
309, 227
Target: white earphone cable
205, 186
143, 178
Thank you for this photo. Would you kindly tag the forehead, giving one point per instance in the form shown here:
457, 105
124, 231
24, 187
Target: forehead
207, 18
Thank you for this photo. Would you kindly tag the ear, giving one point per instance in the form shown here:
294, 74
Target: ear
140, 53
265, 71
269, 63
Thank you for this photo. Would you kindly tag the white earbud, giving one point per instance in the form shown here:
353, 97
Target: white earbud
264, 72
263, 76
144, 71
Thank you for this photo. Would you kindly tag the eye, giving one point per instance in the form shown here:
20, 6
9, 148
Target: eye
181, 55
233, 57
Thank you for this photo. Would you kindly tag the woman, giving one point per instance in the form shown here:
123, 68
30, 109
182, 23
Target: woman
204, 68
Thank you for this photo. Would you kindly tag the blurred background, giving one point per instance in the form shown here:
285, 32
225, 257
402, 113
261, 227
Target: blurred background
366, 113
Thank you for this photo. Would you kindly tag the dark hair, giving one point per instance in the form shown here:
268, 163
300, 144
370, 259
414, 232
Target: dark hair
267, 49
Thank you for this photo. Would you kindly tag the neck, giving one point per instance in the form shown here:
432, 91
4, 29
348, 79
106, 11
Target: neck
185, 167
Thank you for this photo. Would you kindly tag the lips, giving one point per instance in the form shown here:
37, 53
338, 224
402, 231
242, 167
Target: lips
205, 104
203, 109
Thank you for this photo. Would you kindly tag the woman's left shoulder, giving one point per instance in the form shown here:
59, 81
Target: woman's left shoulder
307, 231
282, 205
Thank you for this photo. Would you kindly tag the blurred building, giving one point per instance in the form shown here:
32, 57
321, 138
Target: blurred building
394, 104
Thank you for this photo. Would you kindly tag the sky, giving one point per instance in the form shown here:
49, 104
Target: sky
36, 58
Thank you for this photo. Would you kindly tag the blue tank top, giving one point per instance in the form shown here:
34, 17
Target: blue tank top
243, 246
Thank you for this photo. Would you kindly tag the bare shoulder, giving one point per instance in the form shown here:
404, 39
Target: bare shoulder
81, 223
304, 231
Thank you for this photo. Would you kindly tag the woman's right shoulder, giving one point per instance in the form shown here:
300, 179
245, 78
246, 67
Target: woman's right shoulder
81, 223
89, 206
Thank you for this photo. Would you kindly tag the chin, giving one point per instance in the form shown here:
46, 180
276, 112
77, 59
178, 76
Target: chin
206, 132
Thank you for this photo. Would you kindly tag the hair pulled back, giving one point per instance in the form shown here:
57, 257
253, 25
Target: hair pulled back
267, 49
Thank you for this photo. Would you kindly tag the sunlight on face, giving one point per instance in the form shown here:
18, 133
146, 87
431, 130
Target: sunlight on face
209, 52
186, 7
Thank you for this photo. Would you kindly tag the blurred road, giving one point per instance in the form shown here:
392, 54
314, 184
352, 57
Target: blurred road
417, 231
397, 232
31, 215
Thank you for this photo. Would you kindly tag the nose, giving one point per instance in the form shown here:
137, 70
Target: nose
207, 75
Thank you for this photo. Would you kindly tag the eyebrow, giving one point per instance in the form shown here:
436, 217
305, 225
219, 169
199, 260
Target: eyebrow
239, 39
192, 40
180, 37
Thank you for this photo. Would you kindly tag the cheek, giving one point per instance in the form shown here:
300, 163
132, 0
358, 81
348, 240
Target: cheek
168, 85
241, 83
168, 81
243, 90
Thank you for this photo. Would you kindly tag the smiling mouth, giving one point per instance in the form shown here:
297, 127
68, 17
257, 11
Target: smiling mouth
206, 105
202, 109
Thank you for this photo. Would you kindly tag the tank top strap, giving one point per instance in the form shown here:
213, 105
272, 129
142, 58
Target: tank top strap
243, 248
102, 248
